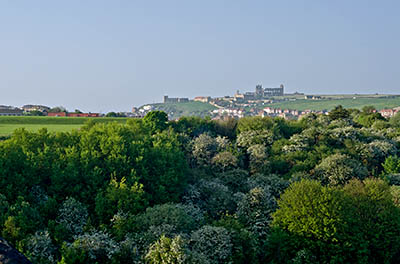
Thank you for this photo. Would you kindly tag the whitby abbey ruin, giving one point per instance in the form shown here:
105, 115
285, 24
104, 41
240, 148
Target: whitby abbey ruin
260, 93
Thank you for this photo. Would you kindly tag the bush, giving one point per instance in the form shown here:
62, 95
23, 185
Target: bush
338, 169
167, 251
212, 242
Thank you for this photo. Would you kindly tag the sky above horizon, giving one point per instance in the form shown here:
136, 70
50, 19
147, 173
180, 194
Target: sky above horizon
102, 56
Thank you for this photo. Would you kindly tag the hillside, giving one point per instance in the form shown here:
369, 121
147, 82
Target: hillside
176, 110
293, 102
379, 102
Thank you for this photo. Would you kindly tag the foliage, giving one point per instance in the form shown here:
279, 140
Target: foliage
244, 243
114, 114
338, 169
167, 251
249, 138
224, 161
120, 197
196, 190
96, 246
339, 113
308, 209
357, 223
391, 165
204, 147
212, 242
73, 215
40, 249
155, 121
255, 208
211, 196
58, 109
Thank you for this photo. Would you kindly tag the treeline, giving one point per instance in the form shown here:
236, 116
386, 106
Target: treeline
324, 189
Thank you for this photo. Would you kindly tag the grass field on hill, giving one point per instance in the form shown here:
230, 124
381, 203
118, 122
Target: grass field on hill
328, 104
54, 124
177, 110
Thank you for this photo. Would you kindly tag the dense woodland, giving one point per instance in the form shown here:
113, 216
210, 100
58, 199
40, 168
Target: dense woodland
324, 189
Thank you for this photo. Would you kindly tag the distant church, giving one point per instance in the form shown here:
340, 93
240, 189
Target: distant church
268, 92
261, 93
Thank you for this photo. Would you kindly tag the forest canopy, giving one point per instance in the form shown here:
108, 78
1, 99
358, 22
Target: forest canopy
323, 189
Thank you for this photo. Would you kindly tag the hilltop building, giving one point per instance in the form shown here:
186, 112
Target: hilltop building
30, 108
260, 93
175, 100
203, 99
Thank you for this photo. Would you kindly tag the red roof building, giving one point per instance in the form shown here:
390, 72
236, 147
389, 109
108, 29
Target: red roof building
64, 114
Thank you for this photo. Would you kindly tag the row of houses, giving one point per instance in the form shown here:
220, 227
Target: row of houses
11, 112
19, 111
229, 112
66, 114
288, 113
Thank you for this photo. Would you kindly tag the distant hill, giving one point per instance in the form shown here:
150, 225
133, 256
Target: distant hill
292, 102
176, 110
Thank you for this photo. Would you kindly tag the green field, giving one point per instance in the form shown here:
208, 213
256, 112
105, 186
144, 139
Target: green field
54, 124
379, 102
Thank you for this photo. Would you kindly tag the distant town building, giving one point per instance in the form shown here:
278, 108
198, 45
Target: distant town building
287, 113
62, 114
203, 99
7, 107
11, 112
387, 112
260, 93
312, 97
175, 100
273, 91
30, 108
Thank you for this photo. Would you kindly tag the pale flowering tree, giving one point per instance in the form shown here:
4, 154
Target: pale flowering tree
204, 147
73, 216
252, 137
224, 160
304, 256
211, 196
298, 142
345, 122
223, 143
96, 246
214, 243
380, 149
338, 169
258, 158
395, 192
255, 208
39, 248
343, 133
303, 141
272, 182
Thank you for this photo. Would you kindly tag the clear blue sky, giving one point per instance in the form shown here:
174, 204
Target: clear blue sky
107, 55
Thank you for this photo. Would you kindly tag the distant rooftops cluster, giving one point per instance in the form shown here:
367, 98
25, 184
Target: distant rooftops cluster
44, 110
